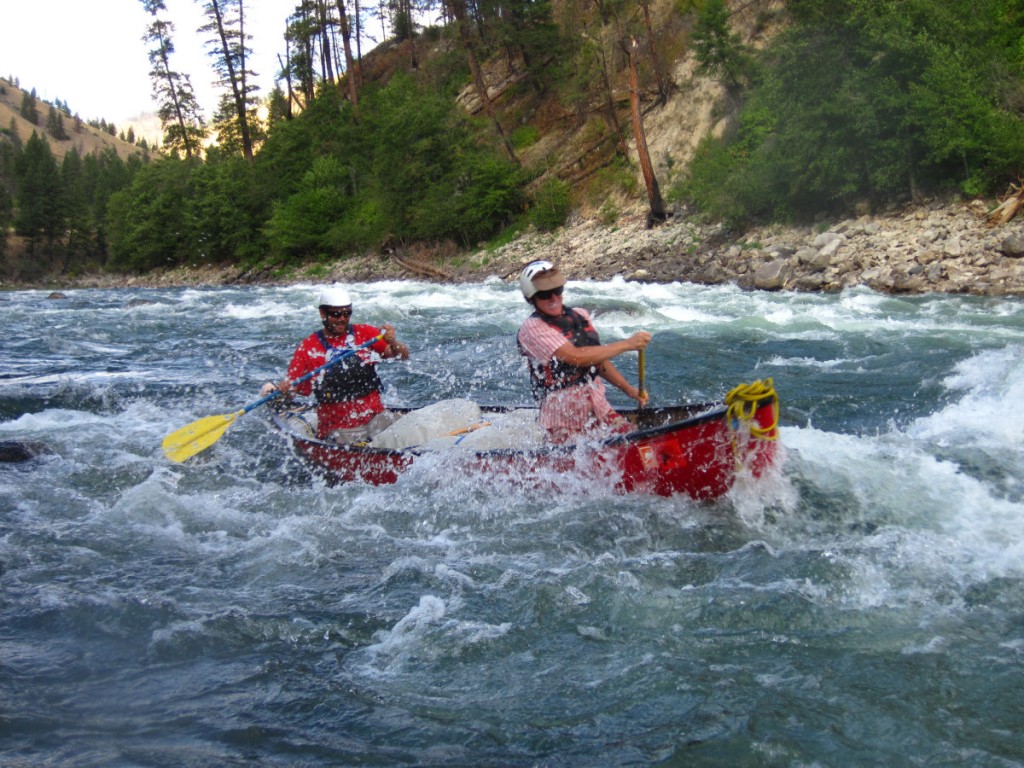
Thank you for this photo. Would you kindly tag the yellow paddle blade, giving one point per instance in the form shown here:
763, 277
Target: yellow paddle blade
197, 436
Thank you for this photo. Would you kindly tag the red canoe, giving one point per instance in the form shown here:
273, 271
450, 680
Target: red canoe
697, 450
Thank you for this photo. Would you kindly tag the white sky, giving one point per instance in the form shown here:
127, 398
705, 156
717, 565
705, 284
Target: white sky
90, 53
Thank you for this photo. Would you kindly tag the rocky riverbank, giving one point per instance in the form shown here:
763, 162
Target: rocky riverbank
942, 248
939, 247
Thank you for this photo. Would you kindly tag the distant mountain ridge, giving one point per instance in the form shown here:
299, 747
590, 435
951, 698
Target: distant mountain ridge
86, 140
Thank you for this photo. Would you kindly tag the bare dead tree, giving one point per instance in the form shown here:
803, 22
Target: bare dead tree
657, 213
352, 77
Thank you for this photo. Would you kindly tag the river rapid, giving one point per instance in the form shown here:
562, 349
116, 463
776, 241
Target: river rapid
860, 606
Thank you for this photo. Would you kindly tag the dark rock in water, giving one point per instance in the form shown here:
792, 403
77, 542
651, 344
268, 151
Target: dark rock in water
15, 451
140, 302
57, 295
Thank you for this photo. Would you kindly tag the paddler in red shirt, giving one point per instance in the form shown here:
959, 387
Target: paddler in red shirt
349, 406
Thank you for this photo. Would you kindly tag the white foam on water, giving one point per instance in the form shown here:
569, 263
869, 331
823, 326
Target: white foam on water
427, 632
50, 420
934, 525
806, 362
991, 408
688, 315
259, 308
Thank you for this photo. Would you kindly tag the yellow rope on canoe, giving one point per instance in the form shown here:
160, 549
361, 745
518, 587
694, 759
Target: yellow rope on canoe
742, 403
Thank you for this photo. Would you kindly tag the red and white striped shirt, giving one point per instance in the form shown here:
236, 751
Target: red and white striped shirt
565, 413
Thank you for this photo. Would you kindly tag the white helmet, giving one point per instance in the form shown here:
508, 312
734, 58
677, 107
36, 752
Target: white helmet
334, 296
539, 276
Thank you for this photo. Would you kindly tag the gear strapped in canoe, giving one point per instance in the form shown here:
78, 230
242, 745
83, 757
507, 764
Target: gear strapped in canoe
742, 403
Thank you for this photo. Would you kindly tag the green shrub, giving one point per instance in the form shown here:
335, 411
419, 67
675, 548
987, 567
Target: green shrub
853, 104
551, 205
525, 136
609, 213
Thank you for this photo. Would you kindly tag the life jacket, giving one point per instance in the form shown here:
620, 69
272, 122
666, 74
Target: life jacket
350, 379
554, 374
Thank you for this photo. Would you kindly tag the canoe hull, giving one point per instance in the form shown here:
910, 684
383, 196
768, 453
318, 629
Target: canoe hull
696, 450
700, 459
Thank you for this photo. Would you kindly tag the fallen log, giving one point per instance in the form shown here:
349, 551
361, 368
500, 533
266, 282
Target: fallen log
1011, 204
421, 269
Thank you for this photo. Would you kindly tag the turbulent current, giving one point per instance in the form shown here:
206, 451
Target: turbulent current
860, 606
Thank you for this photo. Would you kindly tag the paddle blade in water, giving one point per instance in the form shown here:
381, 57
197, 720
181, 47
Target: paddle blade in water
197, 436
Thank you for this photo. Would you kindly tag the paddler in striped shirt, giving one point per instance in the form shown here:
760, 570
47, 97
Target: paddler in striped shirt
568, 363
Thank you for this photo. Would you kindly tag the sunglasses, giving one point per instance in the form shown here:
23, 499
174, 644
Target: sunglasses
545, 295
336, 313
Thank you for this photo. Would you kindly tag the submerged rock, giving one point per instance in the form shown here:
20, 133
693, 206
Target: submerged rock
17, 451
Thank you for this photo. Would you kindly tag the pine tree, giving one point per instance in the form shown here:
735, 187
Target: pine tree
301, 37
78, 225
55, 124
13, 135
229, 49
28, 107
39, 198
8, 158
719, 50
6, 216
178, 109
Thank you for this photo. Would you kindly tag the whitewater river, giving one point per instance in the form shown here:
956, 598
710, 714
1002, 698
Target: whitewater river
862, 606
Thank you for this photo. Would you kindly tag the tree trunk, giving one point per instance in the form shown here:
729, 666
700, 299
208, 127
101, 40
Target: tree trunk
327, 60
287, 69
350, 67
357, 17
308, 77
236, 80
242, 91
655, 62
172, 90
657, 214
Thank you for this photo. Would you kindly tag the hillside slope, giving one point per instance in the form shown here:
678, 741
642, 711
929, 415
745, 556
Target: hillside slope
696, 107
87, 140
